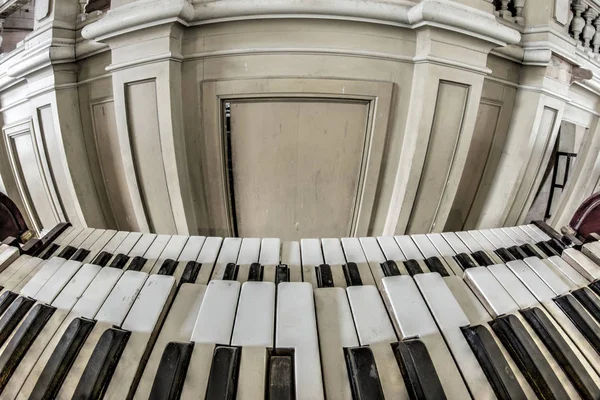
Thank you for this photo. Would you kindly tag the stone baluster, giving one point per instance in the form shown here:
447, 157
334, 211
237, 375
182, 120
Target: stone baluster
596, 39
588, 30
504, 11
519, 5
578, 22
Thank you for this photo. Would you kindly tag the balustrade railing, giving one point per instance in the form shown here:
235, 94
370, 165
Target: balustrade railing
510, 10
585, 24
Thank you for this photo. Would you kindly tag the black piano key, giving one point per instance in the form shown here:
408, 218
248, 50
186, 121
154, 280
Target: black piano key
80, 255
324, 276
102, 259
50, 250
413, 267
492, 362
363, 374
231, 271
546, 249
171, 371
255, 273
61, 359
190, 272
390, 268
67, 252
13, 315
120, 261
21, 341
560, 350
589, 301
137, 263
418, 372
557, 246
482, 258
282, 273
517, 252
224, 371
465, 261
6, 300
595, 286
529, 250
528, 357
504, 255
281, 378
435, 265
35, 247
168, 267
352, 274
101, 365
580, 318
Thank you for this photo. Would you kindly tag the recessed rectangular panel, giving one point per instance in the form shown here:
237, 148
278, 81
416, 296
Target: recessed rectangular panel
297, 166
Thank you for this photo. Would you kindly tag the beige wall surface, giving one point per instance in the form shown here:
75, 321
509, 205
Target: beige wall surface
347, 119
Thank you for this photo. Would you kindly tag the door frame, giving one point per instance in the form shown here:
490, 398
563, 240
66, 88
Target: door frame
214, 158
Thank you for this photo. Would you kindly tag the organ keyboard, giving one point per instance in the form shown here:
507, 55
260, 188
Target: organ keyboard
508, 313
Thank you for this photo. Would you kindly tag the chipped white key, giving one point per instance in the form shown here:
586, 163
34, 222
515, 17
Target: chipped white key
296, 328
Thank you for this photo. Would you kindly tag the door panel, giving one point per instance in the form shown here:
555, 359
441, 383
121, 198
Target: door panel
296, 166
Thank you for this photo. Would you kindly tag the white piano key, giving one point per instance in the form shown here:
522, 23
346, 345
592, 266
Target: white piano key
149, 304
42, 276
207, 257
72, 235
66, 233
192, 248
154, 251
533, 233
312, 256
539, 232
425, 246
57, 282
553, 281
408, 247
171, 251
80, 238
370, 317
412, 319
592, 251
354, 253
125, 244
441, 244
518, 235
494, 240
249, 251
254, 320
450, 318
99, 245
530, 279
142, 245
469, 241
454, 241
92, 299
582, 264
490, 291
336, 332
270, 251
332, 252
468, 302
90, 240
504, 237
529, 238
8, 256
390, 249
23, 274
14, 266
115, 308
76, 287
228, 254
290, 256
217, 313
482, 240
568, 270
509, 281
374, 257
297, 328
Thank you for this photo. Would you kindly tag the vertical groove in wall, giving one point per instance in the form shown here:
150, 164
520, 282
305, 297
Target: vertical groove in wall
144, 137
441, 149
